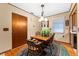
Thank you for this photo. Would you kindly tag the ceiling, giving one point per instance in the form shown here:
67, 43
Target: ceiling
49, 8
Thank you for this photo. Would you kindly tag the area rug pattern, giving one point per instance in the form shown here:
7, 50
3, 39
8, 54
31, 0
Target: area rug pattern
57, 50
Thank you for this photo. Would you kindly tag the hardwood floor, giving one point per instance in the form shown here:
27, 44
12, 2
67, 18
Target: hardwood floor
69, 48
14, 52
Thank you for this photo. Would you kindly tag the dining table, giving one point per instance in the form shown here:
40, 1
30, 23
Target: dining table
39, 41
41, 38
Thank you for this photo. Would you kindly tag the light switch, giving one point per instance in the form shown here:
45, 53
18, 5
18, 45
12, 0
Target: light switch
5, 29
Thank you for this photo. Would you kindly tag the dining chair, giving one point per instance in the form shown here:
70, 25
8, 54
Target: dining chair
34, 48
51, 39
37, 33
49, 44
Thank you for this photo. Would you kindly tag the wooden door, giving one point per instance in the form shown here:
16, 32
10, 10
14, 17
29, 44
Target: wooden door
74, 19
19, 30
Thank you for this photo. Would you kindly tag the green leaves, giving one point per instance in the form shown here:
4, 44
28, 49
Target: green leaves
45, 31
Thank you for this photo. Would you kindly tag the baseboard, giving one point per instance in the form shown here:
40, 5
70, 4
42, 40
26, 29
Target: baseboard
61, 42
5, 51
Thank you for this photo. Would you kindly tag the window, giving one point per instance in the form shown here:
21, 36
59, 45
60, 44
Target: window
58, 25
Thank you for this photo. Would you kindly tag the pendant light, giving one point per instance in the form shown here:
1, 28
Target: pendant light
42, 18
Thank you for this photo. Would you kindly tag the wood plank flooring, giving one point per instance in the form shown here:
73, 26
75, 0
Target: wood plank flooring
15, 51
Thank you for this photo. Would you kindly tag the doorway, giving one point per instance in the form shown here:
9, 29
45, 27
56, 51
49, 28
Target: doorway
73, 27
19, 30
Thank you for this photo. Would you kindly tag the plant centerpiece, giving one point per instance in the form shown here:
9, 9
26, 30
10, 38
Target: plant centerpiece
45, 31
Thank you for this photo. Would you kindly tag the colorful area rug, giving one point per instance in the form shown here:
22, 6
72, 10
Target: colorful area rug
57, 50
62, 49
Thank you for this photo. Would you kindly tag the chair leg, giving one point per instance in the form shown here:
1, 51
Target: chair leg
53, 46
51, 50
27, 53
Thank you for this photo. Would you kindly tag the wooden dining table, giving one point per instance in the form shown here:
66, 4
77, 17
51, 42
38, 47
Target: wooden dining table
39, 42
40, 37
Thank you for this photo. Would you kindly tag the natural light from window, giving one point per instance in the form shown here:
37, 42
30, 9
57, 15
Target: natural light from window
58, 25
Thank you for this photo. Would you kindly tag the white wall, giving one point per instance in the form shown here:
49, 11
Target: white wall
59, 36
6, 22
5, 37
78, 28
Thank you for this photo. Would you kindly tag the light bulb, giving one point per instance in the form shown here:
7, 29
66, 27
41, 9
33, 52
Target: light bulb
41, 19
46, 19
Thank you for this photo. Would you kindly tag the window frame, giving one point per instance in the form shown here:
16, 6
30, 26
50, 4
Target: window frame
63, 26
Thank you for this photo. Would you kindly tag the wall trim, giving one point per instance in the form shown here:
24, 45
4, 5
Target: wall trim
5, 51
58, 14
22, 9
61, 42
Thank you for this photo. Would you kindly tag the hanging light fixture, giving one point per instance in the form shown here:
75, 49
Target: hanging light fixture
42, 18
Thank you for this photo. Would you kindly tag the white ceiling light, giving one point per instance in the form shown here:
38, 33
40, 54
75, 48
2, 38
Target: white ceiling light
46, 19
42, 18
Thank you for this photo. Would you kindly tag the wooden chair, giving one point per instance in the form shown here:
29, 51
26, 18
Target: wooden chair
34, 48
37, 33
49, 43
51, 39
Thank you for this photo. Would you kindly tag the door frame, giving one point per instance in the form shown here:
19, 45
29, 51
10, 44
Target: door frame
26, 23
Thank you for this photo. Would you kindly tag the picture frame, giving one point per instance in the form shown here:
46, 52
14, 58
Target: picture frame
67, 22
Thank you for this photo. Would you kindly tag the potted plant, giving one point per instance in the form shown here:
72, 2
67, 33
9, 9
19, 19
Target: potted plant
45, 31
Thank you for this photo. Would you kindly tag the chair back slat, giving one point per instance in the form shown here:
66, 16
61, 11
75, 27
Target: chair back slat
33, 48
51, 39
